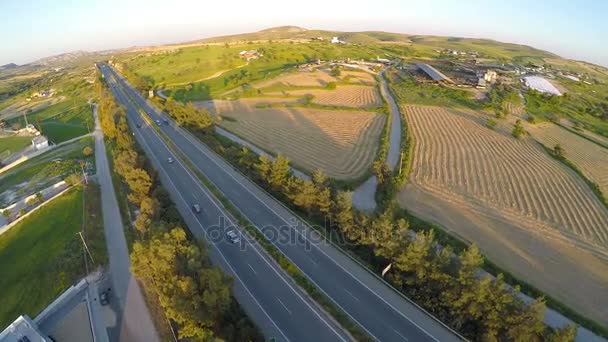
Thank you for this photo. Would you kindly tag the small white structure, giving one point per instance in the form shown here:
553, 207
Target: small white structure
40, 142
541, 84
336, 40
150, 93
573, 78
23, 329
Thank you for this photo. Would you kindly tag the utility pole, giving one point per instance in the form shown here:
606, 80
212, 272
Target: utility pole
86, 247
86, 181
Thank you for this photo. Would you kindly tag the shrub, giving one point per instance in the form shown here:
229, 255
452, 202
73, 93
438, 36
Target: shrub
87, 151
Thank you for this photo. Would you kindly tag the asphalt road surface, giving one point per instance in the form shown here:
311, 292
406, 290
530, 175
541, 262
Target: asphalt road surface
271, 299
377, 308
133, 321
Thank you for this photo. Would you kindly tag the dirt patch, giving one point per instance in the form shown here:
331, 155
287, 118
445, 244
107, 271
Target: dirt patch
343, 96
315, 78
342, 143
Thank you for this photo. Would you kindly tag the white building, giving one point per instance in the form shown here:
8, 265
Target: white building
336, 40
40, 142
23, 329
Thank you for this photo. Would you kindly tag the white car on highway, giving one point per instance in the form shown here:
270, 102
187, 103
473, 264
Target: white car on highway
233, 236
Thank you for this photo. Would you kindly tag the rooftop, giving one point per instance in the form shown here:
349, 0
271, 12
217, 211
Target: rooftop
23, 329
433, 73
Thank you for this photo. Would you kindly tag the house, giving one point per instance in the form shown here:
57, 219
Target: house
40, 142
250, 54
336, 40
489, 76
383, 61
481, 83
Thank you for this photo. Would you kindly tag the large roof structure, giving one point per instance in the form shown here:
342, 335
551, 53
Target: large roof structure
433, 73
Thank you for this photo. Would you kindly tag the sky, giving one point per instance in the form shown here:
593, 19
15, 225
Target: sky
33, 29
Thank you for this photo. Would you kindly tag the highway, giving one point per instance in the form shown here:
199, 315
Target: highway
271, 299
380, 310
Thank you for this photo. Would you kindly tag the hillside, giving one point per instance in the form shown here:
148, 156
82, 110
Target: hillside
486, 46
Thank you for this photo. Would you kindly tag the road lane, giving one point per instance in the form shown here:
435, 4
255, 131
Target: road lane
380, 310
258, 292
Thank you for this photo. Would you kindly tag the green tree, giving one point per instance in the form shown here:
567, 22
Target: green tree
192, 292
518, 130
6, 213
565, 334
491, 123
264, 166
279, 172
558, 151
87, 151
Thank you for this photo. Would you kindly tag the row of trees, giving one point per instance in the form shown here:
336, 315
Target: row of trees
449, 285
188, 115
194, 294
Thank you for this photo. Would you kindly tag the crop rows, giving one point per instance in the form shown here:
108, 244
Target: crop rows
459, 158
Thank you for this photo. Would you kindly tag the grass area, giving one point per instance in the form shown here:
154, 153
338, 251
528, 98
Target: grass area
277, 57
11, 145
62, 121
44, 170
583, 104
408, 90
42, 255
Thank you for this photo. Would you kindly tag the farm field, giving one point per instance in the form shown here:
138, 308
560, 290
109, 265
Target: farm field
61, 121
316, 78
10, 145
341, 143
42, 171
343, 96
589, 157
588, 134
42, 255
527, 212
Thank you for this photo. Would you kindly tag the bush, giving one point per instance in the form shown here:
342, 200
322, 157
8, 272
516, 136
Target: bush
518, 129
491, 123
87, 151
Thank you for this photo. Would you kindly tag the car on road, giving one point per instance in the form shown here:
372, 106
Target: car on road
104, 298
170, 160
158, 122
233, 236
196, 208
166, 121
138, 125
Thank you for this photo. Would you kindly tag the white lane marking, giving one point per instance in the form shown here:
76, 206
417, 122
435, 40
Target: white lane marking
403, 337
285, 306
311, 260
230, 221
300, 233
252, 270
352, 295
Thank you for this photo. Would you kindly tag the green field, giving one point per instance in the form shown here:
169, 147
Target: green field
62, 121
44, 170
13, 144
42, 255
277, 58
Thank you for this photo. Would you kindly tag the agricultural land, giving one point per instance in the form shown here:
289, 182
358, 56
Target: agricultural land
528, 212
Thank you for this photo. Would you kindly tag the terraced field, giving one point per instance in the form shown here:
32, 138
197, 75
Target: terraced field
456, 155
591, 158
527, 212
343, 96
342, 143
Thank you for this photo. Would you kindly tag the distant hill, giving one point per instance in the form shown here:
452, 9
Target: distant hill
487, 46
8, 66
